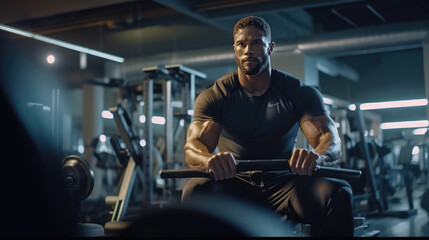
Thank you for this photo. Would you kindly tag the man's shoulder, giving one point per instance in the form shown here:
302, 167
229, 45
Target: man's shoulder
221, 86
225, 84
292, 85
306, 98
227, 79
283, 76
286, 81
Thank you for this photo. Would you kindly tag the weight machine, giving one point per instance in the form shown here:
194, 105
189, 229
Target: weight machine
132, 158
356, 123
167, 76
137, 159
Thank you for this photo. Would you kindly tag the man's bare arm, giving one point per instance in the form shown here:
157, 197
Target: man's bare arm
201, 141
322, 135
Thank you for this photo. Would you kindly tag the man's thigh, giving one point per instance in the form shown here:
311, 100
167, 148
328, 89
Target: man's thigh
237, 187
301, 198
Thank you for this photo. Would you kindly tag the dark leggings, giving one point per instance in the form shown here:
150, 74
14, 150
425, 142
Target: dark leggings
324, 203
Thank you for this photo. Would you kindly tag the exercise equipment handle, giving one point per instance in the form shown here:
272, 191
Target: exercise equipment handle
342, 173
265, 165
185, 173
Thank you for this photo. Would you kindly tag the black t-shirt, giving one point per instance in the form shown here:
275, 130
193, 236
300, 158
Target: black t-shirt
262, 127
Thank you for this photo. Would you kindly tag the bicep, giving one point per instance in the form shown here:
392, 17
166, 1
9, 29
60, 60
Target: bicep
204, 132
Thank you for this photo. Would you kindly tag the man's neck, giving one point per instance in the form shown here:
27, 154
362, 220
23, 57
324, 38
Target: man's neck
255, 85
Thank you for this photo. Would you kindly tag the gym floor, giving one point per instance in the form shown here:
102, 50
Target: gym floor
413, 226
376, 225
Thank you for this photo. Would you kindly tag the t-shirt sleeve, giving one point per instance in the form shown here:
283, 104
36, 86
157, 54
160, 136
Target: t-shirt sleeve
207, 107
310, 101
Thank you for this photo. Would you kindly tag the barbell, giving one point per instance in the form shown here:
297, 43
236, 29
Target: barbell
265, 165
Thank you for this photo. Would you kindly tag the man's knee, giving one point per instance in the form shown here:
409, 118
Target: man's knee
345, 192
342, 189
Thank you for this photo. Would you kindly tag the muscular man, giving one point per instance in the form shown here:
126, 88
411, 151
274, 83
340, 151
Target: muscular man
254, 113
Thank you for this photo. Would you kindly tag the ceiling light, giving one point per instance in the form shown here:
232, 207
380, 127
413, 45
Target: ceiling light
62, 44
50, 59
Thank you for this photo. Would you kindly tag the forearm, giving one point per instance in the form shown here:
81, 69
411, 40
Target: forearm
201, 141
323, 136
196, 154
329, 149
222, 165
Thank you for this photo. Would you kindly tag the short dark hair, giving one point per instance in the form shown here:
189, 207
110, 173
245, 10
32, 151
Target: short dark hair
257, 22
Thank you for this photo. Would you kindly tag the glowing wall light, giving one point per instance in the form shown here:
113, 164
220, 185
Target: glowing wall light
158, 120
391, 104
394, 104
327, 100
107, 114
405, 124
102, 138
155, 119
352, 107
142, 118
420, 131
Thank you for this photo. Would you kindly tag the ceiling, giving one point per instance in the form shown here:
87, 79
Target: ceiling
143, 28
307, 16
136, 29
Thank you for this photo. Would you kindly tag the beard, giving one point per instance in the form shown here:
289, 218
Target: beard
261, 64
